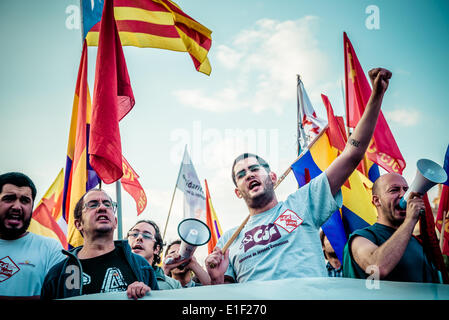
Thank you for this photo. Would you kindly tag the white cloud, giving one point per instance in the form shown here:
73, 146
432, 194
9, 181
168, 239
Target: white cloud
403, 117
264, 61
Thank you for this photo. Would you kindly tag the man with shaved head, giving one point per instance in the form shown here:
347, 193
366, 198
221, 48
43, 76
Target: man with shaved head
388, 247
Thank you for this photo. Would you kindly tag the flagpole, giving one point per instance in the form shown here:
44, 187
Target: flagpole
118, 193
300, 101
173, 196
442, 231
169, 211
300, 156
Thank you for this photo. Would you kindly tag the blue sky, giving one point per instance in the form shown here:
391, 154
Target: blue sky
248, 103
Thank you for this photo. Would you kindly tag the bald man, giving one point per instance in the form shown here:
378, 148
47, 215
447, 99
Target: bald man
388, 248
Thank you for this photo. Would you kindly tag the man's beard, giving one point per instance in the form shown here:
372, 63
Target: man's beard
13, 233
264, 197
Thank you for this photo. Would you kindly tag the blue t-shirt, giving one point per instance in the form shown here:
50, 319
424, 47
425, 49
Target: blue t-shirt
284, 242
24, 262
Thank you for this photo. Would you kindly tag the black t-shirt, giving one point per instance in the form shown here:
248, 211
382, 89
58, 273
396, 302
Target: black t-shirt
107, 273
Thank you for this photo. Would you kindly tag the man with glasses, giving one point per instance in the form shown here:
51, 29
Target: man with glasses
145, 239
281, 239
101, 264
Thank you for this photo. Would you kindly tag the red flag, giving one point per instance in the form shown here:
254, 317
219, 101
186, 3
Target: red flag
443, 208
430, 240
133, 187
337, 136
383, 149
113, 99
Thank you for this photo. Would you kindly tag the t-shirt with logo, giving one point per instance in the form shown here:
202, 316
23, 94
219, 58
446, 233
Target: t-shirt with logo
24, 262
109, 272
284, 242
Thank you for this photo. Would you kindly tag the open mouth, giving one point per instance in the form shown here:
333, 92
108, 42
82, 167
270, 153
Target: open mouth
102, 218
137, 247
14, 219
253, 184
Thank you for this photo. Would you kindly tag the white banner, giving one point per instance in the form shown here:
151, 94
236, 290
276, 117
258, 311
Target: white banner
188, 182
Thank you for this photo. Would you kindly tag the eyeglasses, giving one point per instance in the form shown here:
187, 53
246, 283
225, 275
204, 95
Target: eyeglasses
94, 204
145, 235
253, 168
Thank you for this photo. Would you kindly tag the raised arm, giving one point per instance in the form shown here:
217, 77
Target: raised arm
340, 170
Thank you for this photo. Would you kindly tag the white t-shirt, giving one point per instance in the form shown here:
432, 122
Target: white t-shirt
284, 242
25, 262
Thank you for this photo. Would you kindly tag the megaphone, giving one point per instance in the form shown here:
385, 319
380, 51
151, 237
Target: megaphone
429, 173
193, 233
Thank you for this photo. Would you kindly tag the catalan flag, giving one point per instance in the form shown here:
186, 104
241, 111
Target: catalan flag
79, 176
48, 211
152, 24
383, 149
357, 211
212, 222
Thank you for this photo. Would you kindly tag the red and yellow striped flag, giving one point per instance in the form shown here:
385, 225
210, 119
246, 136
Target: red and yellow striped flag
152, 24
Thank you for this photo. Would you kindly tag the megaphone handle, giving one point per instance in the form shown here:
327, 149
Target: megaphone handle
232, 238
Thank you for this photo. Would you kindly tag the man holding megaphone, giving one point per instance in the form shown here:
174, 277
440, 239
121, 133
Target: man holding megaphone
387, 249
181, 269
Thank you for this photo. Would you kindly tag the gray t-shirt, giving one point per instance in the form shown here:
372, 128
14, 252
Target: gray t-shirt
284, 242
25, 262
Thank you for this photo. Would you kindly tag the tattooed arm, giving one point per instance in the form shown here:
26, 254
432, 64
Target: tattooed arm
340, 170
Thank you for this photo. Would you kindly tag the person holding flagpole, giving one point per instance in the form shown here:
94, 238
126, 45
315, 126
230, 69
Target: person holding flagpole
281, 239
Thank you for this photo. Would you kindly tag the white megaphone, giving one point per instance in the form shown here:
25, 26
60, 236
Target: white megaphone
429, 173
193, 233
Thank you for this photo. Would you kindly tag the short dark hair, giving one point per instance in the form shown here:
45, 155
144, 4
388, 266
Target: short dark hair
78, 211
18, 179
178, 241
247, 155
158, 240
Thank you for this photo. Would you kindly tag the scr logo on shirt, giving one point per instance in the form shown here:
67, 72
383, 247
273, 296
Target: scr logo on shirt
260, 235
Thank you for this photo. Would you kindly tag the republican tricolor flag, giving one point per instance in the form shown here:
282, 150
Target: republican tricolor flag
79, 176
212, 222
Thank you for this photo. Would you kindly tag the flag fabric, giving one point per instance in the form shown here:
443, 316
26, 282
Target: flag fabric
79, 176
443, 208
132, 185
48, 211
430, 240
152, 24
338, 137
113, 99
383, 149
212, 222
189, 184
309, 124
357, 211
